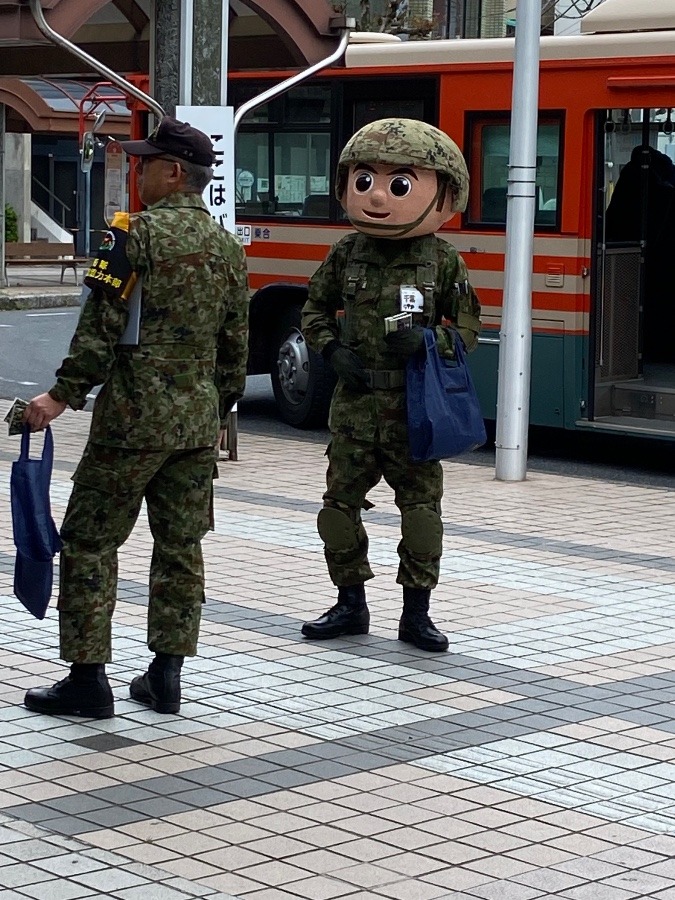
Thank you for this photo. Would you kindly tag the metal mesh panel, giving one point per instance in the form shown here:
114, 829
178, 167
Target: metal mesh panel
617, 347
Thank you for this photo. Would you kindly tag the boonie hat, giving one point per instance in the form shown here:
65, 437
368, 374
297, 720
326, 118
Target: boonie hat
174, 138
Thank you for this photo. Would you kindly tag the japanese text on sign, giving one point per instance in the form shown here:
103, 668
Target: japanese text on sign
218, 123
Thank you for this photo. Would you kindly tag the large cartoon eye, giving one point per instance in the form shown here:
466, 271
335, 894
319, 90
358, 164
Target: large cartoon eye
400, 186
363, 182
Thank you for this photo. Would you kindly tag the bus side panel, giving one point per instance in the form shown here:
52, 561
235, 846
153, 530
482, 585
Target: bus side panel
576, 383
547, 393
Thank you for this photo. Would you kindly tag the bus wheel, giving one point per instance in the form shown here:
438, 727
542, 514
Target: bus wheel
301, 381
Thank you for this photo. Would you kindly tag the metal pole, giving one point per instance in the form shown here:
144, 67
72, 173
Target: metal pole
186, 39
114, 77
3, 270
225, 37
87, 213
515, 346
272, 92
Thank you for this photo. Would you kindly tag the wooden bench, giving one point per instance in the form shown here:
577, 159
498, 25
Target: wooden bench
43, 253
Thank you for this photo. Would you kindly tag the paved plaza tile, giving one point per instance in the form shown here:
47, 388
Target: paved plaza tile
535, 759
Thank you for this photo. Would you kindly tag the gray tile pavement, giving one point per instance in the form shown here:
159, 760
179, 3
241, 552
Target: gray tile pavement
535, 759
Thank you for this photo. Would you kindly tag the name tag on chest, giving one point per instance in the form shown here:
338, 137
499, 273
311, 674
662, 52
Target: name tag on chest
411, 300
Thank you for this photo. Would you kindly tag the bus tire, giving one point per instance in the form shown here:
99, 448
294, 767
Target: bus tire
302, 382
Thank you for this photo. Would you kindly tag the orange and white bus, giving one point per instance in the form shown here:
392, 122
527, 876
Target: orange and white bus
603, 313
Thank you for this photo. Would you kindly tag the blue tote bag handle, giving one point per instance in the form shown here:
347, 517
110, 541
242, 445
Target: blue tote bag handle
47, 460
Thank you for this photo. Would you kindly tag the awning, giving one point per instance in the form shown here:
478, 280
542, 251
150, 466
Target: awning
45, 105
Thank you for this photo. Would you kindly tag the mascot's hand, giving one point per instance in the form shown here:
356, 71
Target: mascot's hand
407, 341
347, 366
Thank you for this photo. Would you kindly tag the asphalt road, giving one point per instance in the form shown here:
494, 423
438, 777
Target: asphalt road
33, 342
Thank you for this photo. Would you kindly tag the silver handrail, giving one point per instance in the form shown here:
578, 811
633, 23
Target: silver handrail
283, 86
118, 80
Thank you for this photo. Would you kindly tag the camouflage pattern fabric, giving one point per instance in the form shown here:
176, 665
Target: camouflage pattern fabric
175, 389
357, 466
369, 430
407, 142
381, 266
155, 424
110, 485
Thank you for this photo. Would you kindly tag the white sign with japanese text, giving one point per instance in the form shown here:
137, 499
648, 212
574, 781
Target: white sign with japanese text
113, 181
218, 123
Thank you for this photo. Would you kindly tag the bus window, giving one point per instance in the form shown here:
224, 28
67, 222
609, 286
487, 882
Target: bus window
366, 100
283, 163
367, 111
489, 170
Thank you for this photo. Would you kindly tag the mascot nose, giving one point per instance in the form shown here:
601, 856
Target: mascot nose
378, 197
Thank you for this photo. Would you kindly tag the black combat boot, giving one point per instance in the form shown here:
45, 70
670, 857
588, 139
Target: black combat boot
159, 687
415, 626
349, 615
85, 692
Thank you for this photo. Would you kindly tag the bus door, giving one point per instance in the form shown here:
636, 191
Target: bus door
634, 310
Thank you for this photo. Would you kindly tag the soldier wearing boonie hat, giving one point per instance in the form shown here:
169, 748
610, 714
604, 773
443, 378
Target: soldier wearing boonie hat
398, 180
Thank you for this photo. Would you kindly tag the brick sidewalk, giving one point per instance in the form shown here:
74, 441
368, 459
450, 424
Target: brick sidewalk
535, 759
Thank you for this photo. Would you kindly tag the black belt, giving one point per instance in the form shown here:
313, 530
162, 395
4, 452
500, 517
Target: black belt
385, 379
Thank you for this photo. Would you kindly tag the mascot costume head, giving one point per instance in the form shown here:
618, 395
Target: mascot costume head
401, 178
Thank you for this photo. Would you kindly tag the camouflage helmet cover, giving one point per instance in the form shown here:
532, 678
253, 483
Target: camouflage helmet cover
407, 142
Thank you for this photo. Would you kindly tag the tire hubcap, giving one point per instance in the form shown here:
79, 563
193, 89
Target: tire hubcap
293, 367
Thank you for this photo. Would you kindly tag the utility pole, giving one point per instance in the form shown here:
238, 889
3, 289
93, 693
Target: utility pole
190, 53
515, 338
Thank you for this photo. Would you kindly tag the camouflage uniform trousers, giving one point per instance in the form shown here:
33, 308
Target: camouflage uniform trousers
354, 468
110, 485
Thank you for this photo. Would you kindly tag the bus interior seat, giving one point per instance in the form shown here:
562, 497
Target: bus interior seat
259, 207
315, 206
253, 208
494, 205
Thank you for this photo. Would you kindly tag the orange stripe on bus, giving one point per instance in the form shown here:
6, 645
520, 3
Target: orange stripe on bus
490, 262
258, 281
287, 250
543, 330
564, 303
541, 301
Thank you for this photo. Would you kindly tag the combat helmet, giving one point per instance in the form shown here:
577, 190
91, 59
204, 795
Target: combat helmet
407, 142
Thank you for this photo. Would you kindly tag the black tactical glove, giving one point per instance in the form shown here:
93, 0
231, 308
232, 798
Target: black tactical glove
347, 366
407, 341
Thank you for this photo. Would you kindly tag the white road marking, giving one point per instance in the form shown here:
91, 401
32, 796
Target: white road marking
12, 381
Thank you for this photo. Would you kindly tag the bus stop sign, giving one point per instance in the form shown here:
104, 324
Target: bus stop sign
114, 193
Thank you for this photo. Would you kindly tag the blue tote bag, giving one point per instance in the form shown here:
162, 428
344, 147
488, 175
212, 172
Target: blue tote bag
444, 415
35, 535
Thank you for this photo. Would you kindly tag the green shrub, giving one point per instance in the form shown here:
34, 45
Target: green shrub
11, 224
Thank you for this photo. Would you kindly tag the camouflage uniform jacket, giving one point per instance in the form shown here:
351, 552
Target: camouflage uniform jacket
176, 387
362, 276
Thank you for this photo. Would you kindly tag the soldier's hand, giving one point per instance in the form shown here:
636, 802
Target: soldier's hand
42, 410
447, 341
407, 341
349, 368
